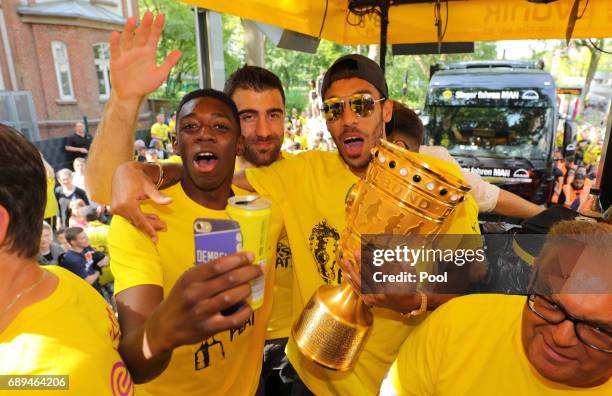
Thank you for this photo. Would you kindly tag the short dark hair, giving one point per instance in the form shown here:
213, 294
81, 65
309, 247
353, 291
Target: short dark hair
254, 78
23, 192
405, 122
209, 93
89, 213
72, 233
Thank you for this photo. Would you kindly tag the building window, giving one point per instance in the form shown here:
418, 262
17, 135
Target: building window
62, 70
102, 62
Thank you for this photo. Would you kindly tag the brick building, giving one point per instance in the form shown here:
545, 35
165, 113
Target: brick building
54, 62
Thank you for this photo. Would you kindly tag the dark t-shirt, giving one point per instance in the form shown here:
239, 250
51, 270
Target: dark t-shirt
63, 202
80, 142
82, 264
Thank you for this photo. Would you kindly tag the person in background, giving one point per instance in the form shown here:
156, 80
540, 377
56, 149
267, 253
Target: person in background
84, 261
313, 99
152, 156
49, 251
78, 176
67, 192
160, 130
320, 87
157, 146
61, 238
77, 145
172, 125
51, 209
140, 151
96, 230
77, 217
574, 194
406, 130
51, 322
555, 341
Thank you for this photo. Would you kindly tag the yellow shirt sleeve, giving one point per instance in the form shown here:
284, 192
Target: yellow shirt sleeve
274, 179
134, 257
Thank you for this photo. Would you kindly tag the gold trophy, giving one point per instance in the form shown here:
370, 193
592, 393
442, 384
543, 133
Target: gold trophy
400, 195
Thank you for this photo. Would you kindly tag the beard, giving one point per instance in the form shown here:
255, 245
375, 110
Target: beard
258, 158
363, 161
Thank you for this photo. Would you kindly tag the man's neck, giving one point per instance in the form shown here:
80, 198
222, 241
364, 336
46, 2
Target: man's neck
69, 190
212, 199
359, 172
16, 272
76, 249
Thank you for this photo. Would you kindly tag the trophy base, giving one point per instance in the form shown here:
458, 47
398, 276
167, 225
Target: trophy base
333, 327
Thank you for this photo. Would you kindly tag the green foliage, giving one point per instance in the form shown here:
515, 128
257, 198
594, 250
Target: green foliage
297, 97
179, 33
233, 43
407, 76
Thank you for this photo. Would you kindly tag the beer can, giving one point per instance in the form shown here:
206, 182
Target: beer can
253, 214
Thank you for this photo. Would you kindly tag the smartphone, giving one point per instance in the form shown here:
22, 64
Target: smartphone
216, 238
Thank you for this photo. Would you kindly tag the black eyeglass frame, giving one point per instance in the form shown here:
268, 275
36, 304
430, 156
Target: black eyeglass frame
566, 316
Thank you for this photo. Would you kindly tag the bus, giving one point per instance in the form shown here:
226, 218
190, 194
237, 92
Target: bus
498, 119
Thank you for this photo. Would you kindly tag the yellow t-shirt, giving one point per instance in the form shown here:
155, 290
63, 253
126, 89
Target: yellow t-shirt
279, 325
51, 207
97, 233
160, 131
472, 346
228, 363
72, 332
310, 190
175, 159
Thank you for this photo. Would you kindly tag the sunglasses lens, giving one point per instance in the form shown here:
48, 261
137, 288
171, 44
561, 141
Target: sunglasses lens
332, 110
363, 105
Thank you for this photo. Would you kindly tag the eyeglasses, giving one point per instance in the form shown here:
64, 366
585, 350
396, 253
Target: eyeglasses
361, 104
591, 336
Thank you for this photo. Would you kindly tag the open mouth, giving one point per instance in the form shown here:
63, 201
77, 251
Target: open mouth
205, 161
353, 145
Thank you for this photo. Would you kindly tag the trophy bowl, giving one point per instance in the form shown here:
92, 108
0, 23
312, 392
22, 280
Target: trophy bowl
400, 195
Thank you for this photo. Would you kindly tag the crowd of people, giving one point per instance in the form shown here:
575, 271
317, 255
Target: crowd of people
75, 229
575, 174
172, 332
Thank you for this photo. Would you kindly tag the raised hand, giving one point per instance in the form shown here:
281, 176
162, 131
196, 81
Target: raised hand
133, 65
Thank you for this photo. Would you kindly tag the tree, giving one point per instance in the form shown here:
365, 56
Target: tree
179, 32
595, 56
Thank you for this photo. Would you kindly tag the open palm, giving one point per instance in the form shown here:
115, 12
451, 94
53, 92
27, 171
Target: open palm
133, 65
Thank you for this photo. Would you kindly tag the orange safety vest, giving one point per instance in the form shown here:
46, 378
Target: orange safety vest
572, 195
557, 190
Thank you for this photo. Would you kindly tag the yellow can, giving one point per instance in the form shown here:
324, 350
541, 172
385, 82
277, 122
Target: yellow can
253, 214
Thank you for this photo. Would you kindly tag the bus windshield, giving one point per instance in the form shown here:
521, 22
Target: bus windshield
501, 132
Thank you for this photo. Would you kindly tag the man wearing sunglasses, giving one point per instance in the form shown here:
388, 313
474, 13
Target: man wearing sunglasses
556, 341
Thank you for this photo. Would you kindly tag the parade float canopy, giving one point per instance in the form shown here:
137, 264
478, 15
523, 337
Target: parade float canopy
412, 21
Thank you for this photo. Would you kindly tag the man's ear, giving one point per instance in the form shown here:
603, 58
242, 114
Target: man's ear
387, 110
4, 224
240, 146
175, 143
